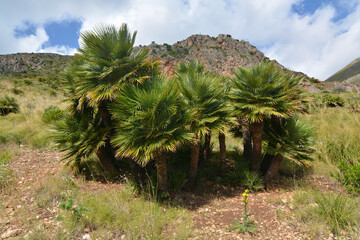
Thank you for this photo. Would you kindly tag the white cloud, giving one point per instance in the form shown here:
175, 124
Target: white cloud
312, 43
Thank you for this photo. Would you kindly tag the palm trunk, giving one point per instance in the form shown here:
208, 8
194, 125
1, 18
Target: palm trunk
222, 146
109, 157
194, 158
256, 129
246, 139
161, 168
274, 168
266, 163
106, 158
105, 114
206, 147
138, 173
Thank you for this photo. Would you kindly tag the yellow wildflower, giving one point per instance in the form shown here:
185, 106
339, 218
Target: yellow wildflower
243, 199
246, 191
245, 195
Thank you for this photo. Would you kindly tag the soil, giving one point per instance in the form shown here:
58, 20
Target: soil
213, 211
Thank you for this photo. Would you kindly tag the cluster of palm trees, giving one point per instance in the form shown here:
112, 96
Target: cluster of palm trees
123, 108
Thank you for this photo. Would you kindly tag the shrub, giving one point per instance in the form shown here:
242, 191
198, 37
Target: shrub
336, 210
8, 105
51, 114
17, 91
349, 176
333, 101
28, 82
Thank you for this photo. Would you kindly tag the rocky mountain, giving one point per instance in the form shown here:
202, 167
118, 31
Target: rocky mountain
33, 63
220, 54
350, 73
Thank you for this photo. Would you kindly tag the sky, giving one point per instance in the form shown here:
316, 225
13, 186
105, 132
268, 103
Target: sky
317, 37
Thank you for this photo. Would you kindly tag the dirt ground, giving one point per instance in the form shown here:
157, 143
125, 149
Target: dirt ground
212, 213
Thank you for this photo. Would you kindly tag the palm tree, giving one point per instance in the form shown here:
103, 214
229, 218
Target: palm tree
262, 91
105, 64
291, 138
151, 120
202, 93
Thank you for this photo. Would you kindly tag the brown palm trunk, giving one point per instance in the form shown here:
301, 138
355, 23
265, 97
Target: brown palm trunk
222, 146
206, 147
107, 158
161, 168
246, 139
256, 129
274, 168
194, 158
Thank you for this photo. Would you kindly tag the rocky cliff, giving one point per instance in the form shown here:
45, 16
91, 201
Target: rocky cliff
36, 63
220, 54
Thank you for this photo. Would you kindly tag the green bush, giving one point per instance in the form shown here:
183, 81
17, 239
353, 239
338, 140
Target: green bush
28, 82
8, 105
17, 91
333, 101
51, 114
349, 176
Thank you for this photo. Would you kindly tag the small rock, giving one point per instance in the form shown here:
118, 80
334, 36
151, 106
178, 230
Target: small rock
11, 233
86, 237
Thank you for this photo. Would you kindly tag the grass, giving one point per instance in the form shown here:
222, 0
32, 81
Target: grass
108, 214
325, 213
27, 127
5, 173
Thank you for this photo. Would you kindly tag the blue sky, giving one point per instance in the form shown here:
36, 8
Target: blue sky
317, 37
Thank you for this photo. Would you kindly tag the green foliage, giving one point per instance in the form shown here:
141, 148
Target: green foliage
241, 175
292, 137
54, 190
349, 176
17, 91
8, 105
326, 211
52, 114
264, 90
204, 94
5, 173
336, 210
333, 101
80, 135
28, 82
76, 210
157, 124
118, 211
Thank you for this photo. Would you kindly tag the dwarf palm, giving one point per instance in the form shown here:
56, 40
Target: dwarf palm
151, 122
202, 93
262, 91
105, 64
291, 138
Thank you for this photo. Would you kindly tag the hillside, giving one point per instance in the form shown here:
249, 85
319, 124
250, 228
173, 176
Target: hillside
33, 63
220, 54
350, 73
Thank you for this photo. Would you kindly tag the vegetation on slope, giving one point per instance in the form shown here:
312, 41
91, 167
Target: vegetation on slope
350, 71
